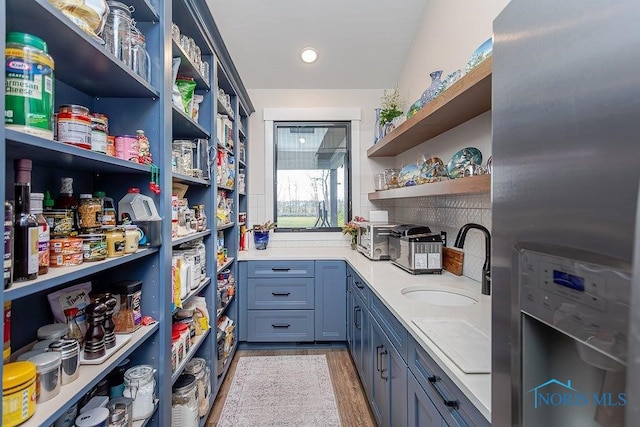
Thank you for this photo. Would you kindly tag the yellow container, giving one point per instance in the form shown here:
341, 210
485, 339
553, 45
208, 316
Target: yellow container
18, 392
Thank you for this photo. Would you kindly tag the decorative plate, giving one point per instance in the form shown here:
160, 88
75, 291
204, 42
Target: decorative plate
415, 107
455, 167
433, 170
480, 54
449, 80
409, 175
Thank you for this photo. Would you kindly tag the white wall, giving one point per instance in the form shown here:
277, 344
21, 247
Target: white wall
365, 100
448, 34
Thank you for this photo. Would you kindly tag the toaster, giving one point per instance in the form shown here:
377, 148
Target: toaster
415, 249
373, 240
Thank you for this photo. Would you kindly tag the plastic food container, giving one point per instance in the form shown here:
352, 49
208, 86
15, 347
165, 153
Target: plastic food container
53, 331
18, 392
96, 417
94, 247
65, 246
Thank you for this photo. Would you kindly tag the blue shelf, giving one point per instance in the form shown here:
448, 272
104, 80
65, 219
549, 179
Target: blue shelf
192, 351
186, 179
187, 68
143, 11
64, 156
226, 264
223, 187
225, 226
87, 66
62, 275
185, 127
223, 110
190, 237
193, 293
48, 412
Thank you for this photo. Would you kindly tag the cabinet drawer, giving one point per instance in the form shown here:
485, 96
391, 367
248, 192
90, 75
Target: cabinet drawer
279, 325
281, 269
390, 324
274, 294
361, 288
433, 379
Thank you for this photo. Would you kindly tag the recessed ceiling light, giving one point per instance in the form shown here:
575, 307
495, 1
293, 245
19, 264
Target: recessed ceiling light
309, 55
301, 140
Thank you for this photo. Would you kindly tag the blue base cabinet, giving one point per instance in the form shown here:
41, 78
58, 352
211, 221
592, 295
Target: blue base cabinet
360, 341
421, 410
293, 301
330, 296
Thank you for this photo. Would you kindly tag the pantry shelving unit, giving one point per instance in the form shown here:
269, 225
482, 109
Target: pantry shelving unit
86, 74
465, 99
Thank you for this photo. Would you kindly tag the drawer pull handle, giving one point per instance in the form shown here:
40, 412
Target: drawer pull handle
280, 325
451, 403
280, 268
280, 294
356, 310
382, 353
432, 379
378, 348
359, 284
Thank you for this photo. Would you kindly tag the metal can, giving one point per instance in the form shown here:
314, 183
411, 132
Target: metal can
94, 247
60, 222
73, 125
111, 145
127, 147
65, 260
98, 135
18, 392
29, 85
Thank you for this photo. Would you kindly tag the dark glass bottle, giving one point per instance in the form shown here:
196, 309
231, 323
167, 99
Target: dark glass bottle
7, 265
25, 241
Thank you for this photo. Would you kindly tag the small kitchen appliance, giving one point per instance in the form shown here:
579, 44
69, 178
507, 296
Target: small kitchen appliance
415, 249
373, 239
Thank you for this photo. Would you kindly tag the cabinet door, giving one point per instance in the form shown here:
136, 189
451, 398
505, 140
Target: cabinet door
421, 410
350, 308
389, 380
331, 304
290, 293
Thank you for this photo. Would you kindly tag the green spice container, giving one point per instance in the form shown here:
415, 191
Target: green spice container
29, 87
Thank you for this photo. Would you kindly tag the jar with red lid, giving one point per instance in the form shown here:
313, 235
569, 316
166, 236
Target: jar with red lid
175, 344
73, 126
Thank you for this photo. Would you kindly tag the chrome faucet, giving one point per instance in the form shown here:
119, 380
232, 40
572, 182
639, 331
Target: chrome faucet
486, 268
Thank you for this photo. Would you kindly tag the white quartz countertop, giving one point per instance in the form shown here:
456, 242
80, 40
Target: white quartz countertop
386, 280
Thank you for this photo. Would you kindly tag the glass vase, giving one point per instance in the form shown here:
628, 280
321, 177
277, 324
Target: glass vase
261, 239
432, 91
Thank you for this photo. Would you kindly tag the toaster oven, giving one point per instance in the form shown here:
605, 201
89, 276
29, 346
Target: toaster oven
416, 250
373, 240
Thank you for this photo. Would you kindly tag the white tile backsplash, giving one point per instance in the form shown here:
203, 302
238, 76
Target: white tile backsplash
449, 213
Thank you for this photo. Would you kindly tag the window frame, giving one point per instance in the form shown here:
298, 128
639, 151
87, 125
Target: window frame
347, 124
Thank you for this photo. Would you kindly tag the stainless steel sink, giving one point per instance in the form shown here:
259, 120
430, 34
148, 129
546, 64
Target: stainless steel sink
438, 296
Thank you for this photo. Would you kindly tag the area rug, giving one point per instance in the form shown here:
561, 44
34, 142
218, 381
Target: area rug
280, 391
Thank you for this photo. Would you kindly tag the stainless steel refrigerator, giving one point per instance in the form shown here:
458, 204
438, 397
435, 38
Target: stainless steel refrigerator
566, 167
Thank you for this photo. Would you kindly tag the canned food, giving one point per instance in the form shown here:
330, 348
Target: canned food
18, 392
94, 247
60, 222
66, 260
127, 147
111, 145
67, 245
73, 125
98, 135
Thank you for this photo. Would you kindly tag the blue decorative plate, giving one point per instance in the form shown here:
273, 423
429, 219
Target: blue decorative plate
455, 167
409, 176
480, 54
433, 170
449, 80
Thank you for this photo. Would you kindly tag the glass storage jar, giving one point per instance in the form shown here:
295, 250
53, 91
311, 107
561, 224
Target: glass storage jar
140, 385
117, 31
184, 402
198, 368
184, 150
90, 213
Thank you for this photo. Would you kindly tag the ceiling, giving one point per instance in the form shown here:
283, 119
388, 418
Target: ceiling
361, 44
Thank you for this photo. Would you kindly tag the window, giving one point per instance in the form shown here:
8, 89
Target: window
311, 171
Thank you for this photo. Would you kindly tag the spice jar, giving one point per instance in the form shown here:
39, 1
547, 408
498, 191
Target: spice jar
198, 368
115, 242
90, 213
184, 402
18, 392
140, 385
184, 335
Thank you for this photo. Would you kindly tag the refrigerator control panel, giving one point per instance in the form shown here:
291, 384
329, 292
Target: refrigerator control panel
585, 300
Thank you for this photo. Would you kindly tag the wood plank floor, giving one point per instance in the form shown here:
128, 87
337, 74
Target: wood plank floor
352, 402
